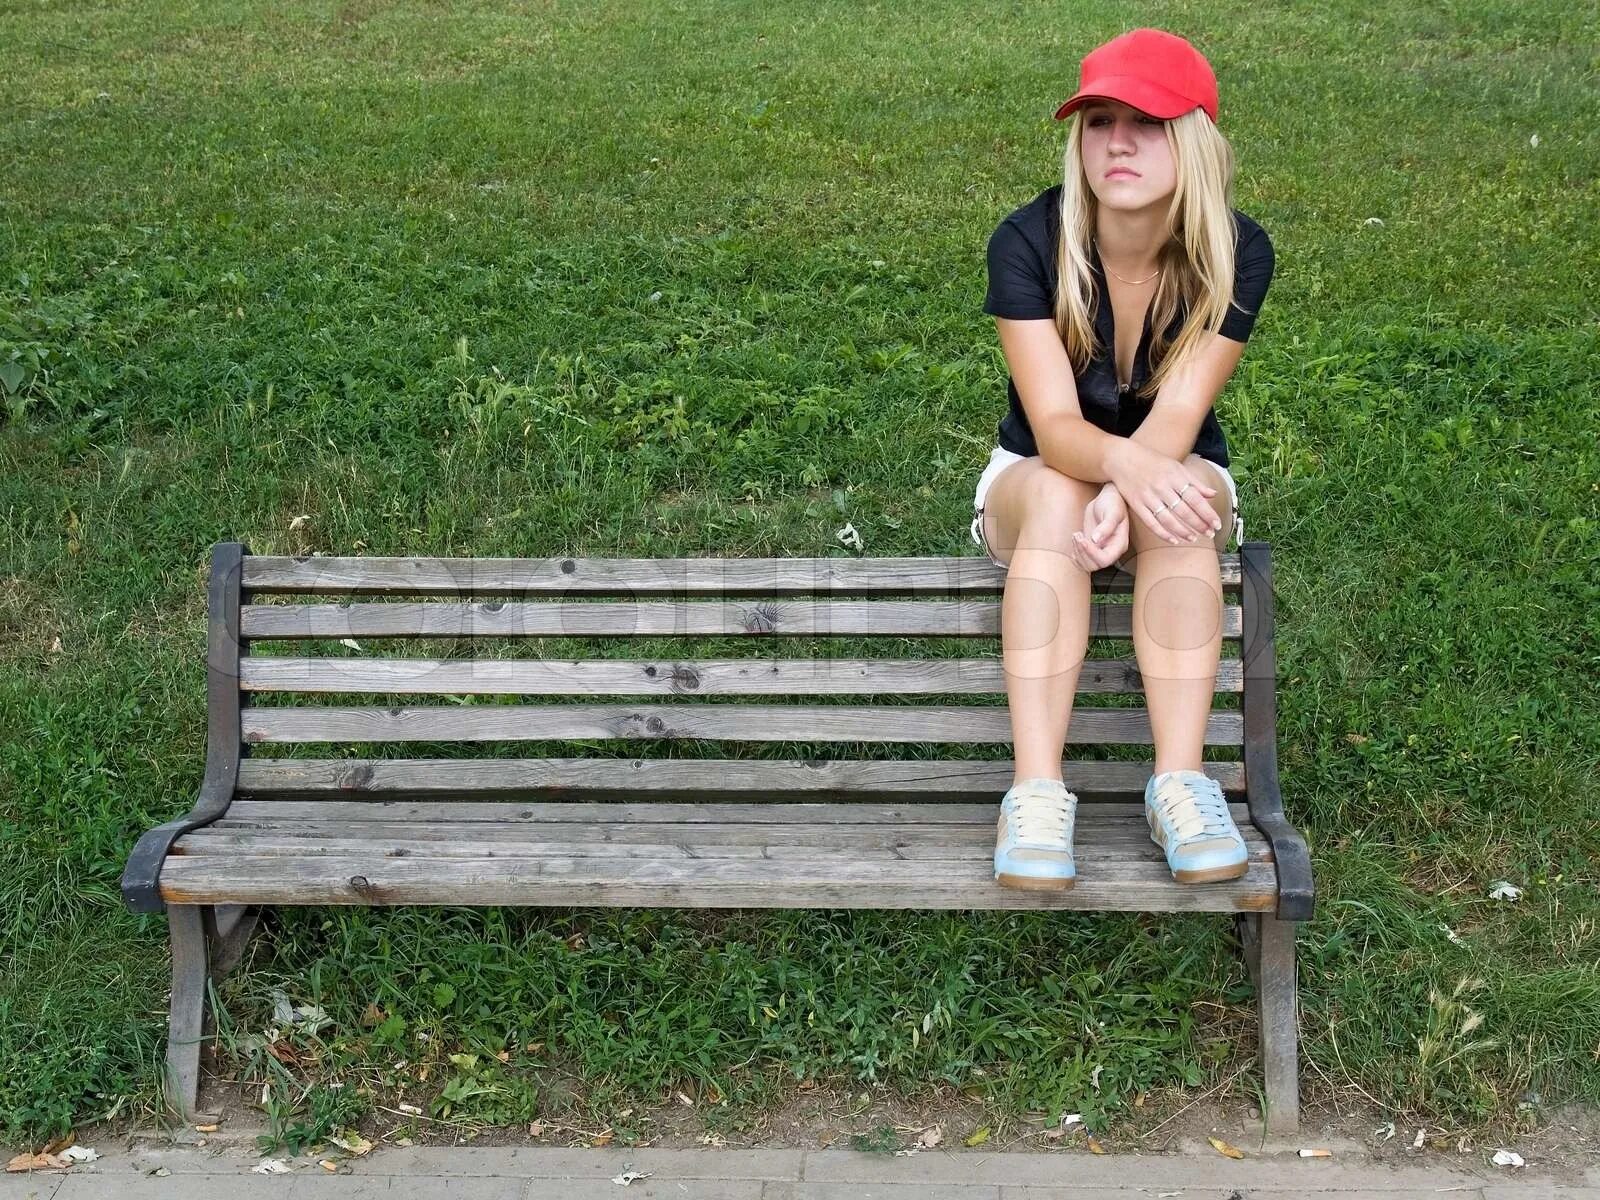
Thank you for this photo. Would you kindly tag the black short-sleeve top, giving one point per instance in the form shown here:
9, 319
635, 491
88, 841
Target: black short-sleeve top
1022, 286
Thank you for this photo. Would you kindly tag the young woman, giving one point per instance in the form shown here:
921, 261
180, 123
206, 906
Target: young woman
1123, 298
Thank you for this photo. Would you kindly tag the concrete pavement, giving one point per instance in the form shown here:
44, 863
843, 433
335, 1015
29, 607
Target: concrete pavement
547, 1173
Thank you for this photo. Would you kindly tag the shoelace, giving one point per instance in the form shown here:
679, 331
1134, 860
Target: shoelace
1041, 818
1193, 808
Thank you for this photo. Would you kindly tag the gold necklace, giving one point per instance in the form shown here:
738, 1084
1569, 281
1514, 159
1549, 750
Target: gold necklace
1134, 282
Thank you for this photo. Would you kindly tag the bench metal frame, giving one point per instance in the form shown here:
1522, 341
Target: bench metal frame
208, 939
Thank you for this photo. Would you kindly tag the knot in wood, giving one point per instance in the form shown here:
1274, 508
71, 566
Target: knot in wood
655, 724
763, 618
568, 566
360, 884
685, 677
356, 778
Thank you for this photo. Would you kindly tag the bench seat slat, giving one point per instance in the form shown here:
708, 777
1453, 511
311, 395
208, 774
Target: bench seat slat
1092, 845
822, 779
962, 724
858, 881
776, 812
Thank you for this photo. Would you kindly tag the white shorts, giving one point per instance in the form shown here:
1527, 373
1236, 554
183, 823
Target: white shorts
1000, 458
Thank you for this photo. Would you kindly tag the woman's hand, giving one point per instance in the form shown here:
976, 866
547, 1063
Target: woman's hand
1164, 494
1104, 537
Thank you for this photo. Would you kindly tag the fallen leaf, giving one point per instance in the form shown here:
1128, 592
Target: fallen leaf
602, 1139
58, 1144
536, 1129
929, 1138
1222, 1147
351, 1142
1508, 1158
1094, 1145
36, 1162
373, 1015
979, 1137
628, 1177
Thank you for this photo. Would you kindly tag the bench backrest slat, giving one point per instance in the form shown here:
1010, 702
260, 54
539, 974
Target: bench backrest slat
637, 577
664, 618
676, 677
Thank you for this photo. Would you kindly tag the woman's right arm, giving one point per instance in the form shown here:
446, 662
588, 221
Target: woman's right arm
1043, 374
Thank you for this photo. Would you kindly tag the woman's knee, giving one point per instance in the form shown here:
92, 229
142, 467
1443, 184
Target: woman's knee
1055, 501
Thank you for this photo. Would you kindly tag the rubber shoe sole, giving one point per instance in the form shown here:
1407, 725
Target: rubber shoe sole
1037, 883
1203, 874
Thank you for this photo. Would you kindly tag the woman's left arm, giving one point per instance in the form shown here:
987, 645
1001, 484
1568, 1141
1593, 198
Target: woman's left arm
1186, 395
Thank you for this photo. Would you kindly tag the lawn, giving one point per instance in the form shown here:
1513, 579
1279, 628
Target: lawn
655, 278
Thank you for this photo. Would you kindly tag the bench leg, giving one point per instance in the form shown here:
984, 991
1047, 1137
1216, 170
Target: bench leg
185, 1029
1269, 951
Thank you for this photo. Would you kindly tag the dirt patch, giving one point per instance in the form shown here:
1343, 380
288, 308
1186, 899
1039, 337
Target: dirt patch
1559, 1143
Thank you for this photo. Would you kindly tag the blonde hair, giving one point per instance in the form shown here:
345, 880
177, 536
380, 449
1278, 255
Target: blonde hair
1196, 261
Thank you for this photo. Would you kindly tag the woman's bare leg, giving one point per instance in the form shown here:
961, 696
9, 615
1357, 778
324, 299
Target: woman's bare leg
1030, 514
1177, 628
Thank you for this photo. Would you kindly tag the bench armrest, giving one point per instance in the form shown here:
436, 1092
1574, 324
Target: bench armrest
1289, 850
141, 877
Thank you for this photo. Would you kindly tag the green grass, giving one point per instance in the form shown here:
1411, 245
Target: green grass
655, 279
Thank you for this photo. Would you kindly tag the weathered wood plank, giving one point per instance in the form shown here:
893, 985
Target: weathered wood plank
1092, 844
1276, 983
803, 617
1120, 836
666, 677
362, 575
186, 1012
707, 883
750, 723
788, 816
663, 778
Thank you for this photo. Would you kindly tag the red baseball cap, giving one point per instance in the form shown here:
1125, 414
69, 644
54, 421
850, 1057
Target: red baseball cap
1158, 73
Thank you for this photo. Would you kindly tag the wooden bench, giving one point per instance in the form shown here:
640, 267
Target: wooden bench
883, 832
